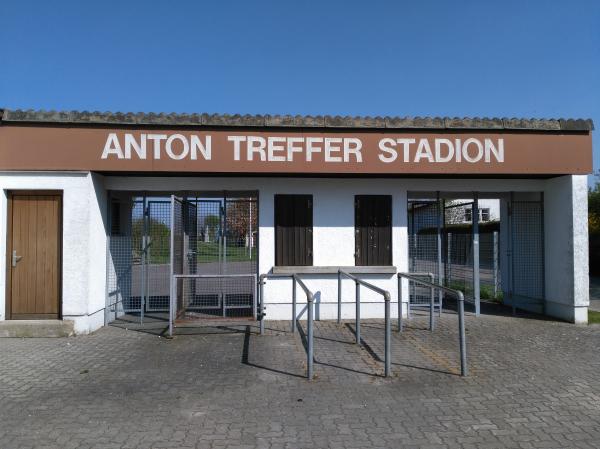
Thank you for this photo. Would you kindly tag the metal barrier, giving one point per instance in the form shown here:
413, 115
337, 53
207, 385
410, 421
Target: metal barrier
388, 327
180, 301
431, 304
310, 313
461, 313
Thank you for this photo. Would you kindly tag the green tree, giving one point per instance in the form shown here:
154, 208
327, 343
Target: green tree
594, 208
159, 239
212, 222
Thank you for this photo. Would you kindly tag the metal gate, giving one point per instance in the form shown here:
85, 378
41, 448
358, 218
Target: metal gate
157, 246
153, 238
424, 257
215, 271
138, 266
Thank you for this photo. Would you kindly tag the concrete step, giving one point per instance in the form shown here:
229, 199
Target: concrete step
36, 328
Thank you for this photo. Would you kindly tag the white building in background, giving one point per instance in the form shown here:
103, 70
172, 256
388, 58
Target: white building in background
98, 212
489, 210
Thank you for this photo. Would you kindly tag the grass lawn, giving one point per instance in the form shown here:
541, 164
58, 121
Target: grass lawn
593, 317
209, 252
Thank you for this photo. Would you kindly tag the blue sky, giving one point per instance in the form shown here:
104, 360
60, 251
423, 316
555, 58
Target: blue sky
460, 58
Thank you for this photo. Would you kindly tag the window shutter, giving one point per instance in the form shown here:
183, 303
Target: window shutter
373, 230
293, 230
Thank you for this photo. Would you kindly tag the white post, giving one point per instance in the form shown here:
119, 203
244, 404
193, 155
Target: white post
495, 252
475, 232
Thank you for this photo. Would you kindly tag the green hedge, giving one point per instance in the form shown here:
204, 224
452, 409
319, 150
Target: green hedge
595, 253
464, 228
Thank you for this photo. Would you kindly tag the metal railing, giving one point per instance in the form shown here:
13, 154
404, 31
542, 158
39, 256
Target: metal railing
461, 313
310, 313
386, 297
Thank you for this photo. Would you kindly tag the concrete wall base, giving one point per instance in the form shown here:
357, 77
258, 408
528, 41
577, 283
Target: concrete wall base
85, 324
570, 313
36, 328
328, 311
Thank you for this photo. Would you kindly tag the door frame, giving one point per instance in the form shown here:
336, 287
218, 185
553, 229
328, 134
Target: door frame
10, 194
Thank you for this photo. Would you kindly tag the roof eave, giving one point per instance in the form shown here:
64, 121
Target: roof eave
295, 121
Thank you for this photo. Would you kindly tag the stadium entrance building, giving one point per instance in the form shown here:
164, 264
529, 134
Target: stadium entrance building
104, 215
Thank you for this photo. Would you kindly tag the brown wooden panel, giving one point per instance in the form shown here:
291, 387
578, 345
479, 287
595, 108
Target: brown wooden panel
293, 230
373, 230
308, 228
46, 292
23, 275
35, 229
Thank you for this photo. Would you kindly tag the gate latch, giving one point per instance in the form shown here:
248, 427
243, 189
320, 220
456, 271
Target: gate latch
15, 258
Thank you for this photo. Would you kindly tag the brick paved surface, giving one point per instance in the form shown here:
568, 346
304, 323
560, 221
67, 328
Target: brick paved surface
533, 384
595, 293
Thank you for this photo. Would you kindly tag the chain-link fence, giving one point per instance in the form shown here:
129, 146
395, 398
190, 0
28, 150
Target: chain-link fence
124, 258
241, 218
489, 265
423, 253
527, 248
459, 263
451, 239
448, 236
158, 249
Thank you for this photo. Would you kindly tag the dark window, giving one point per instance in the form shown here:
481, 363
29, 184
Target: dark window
293, 230
469, 215
484, 214
373, 230
115, 218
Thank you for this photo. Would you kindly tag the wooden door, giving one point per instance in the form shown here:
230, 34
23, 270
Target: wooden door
34, 255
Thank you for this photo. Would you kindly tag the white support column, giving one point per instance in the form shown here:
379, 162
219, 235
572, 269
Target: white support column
475, 231
566, 248
440, 227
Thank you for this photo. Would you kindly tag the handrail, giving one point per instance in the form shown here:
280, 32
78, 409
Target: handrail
461, 313
211, 276
310, 313
386, 298
365, 283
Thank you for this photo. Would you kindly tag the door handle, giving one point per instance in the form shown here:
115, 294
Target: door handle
15, 258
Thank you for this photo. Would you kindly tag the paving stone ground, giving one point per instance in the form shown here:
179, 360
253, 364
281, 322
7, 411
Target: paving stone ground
595, 293
533, 383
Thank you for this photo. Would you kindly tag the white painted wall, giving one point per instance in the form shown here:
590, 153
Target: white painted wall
333, 244
566, 248
84, 234
333, 231
84, 241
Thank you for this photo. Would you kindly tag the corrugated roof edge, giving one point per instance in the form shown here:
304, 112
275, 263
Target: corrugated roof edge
291, 121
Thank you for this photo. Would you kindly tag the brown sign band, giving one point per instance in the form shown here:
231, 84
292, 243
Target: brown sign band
293, 151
